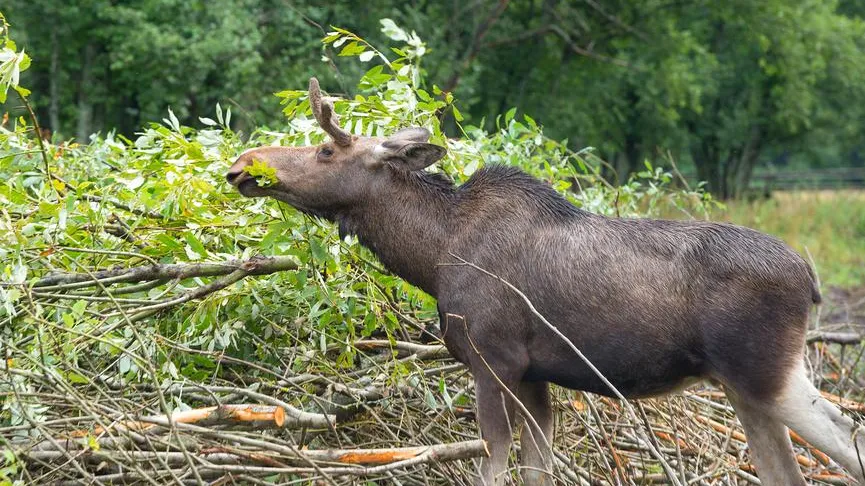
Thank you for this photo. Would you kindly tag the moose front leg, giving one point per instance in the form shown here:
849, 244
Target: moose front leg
496, 419
536, 437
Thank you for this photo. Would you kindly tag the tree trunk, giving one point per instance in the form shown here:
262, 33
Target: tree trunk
53, 84
707, 159
85, 106
632, 153
741, 164
728, 177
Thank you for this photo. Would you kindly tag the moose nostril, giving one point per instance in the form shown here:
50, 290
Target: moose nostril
232, 176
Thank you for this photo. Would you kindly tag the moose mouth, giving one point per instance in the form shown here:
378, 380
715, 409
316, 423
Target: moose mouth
250, 188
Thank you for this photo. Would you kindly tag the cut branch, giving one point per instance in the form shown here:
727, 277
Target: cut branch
372, 457
260, 415
253, 266
740, 437
120, 205
360, 459
837, 337
403, 348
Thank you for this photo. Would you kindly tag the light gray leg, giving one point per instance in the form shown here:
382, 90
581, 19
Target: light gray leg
536, 454
822, 424
769, 441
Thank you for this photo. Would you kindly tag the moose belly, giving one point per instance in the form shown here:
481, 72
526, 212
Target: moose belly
635, 371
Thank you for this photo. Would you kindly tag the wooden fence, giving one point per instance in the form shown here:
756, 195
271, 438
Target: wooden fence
834, 178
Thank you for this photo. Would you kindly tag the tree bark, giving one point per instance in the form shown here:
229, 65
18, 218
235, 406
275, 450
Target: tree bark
705, 156
85, 106
749, 158
53, 83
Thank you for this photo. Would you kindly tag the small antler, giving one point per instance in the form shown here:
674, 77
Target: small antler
327, 119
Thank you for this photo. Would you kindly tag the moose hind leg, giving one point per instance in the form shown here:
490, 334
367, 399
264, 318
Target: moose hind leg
536, 461
822, 424
769, 441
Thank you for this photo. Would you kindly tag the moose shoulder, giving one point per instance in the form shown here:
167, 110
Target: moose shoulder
653, 304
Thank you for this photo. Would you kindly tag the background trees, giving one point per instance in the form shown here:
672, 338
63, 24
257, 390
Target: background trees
224, 300
723, 88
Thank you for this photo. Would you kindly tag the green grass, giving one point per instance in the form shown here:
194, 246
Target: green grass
828, 225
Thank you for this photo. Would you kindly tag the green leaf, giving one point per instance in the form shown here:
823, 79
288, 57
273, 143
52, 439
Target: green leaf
79, 307
457, 115
509, 115
352, 49
77, 378
124, 364
194, 243
168, 241
192, 254
318, 250
443, 389
264, 174
390, 29
92, 443
430, 399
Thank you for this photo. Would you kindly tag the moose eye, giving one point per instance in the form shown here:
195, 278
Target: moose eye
325, 152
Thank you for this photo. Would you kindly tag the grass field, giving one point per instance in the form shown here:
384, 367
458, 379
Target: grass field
828, 225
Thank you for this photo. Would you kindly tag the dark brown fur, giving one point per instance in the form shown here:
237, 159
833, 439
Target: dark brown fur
651, 303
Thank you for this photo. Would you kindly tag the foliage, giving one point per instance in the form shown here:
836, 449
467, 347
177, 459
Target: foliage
11, 62
724, 86
160, 198
263, 173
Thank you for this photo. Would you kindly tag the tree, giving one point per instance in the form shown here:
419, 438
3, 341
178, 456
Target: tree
779, 72
111, 65
721, 87
717, 84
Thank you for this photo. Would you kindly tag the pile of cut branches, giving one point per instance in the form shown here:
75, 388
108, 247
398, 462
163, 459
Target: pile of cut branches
402, 413
143, 342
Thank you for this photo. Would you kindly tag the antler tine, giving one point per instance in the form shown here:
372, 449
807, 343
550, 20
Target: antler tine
327, 119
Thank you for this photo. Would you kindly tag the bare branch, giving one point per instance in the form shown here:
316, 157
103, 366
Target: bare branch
354, 462
421, 351
254, 266
838, 337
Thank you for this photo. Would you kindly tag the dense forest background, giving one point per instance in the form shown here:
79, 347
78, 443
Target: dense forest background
723, 88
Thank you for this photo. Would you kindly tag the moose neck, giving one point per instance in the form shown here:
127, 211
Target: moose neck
406, 224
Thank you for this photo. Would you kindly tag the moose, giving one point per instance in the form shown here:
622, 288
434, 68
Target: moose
654, 305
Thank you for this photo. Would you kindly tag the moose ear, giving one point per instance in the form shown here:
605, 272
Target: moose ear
413, 134
419, 156
409, 148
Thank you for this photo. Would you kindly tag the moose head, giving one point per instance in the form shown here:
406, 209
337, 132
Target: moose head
324, 179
